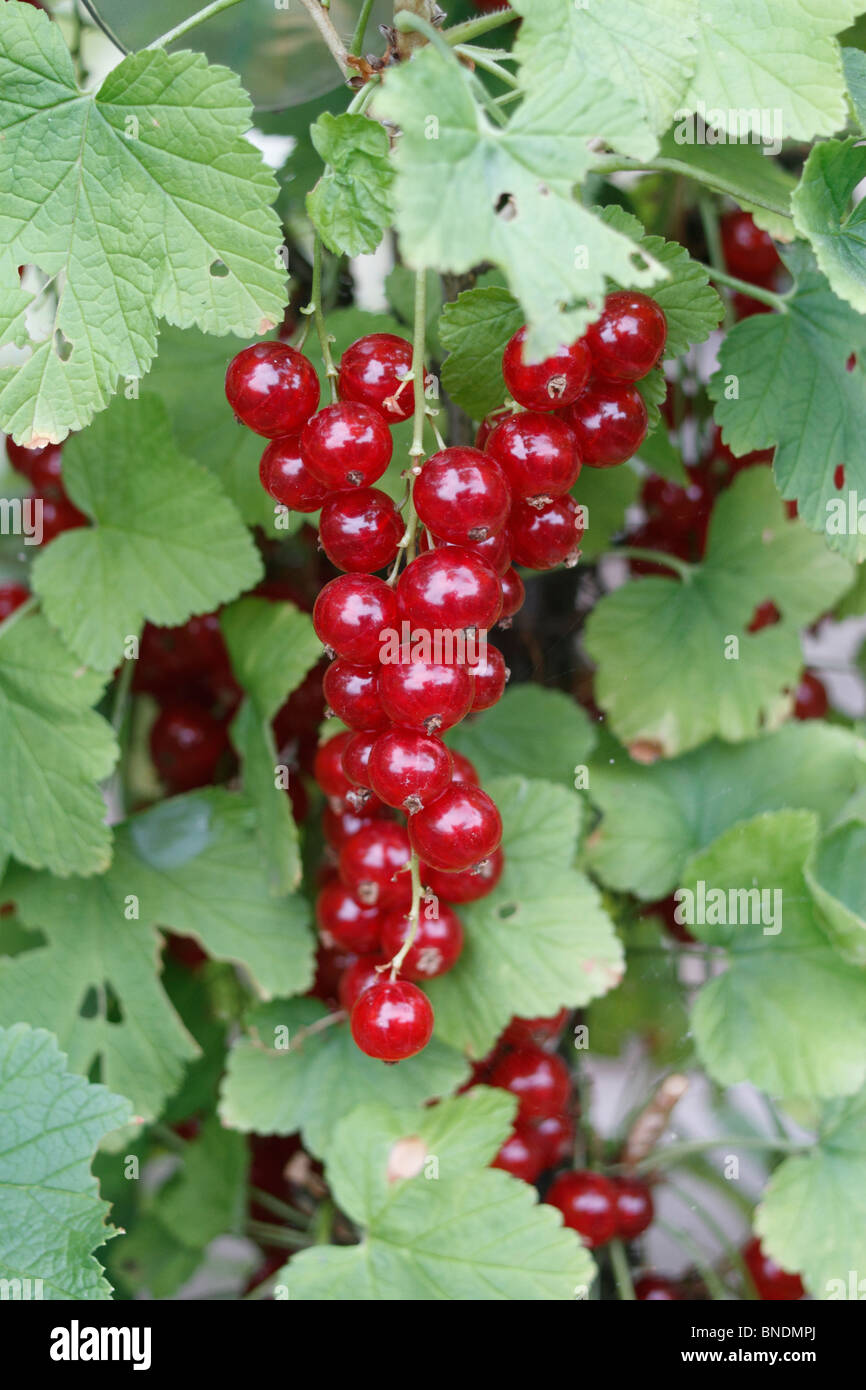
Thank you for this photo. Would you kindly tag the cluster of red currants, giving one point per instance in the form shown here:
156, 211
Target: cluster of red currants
43, 469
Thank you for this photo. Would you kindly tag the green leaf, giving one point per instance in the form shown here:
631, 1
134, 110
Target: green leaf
782, 380
644, 48
50, 1125
813, 1216
445, 224
204, 1198
647, 1004
853, 605
667, 670
351, 206
691, 305
606, 493
272, 647
191, 864
139, 202
823, 215
655, 817
147, 556
453, 1232
311, 1086
475, 328
748, 1022
532, 732
854, 67
744, 171
541, 939
55, 750
835, 880
771, 56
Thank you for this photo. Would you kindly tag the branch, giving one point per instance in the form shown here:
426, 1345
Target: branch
322, 21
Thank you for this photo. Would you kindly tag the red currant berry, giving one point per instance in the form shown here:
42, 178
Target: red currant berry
59, 515
558, 380
374, 371
351, 615
373, 865
496, 550
450, 590
490, 675
357, 977
392, 1020
11, 597
468, 885
534, 1032
522, 1155
810, 701
285, 478
186, 744
543, 537
588, 1205
748, 251
352, 692
488, 425
409, 768
655, 1288
46, 472
437, 945
272, 389
23, 459
428, 695
188, 655
356, 760
629, 338
360, 530
354, 927
774, 1285
346, 445
634, 1207
540, 1081
556, 1135
609, 422
463, 770
458, 830
341, 825
513, 594
462, 495
537, 453
328, 767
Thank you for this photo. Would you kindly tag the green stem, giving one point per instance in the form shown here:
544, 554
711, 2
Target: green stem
621, 1271
663, 165
717, 1288
362, 98
775, 301
277, 1235
732, 1253
414, 917
481, 60
323, 1223
278, 1208
674, 1153
416, 448
407, 23
357, 41
315, 308
193, 22
474, 28
658, 557
121, 695
710, 223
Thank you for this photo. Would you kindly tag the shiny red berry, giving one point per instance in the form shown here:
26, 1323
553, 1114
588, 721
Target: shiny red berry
373, 372
496, 550
186, 744
462, 769
352, 692
46, 472
609, 421
353, 615
360, 530
467, 885
810, 701
634, 1207
408, 768
328, 766
450, 589
748, 251
522, 1154
655, 1288
534, 1032
490, 675
272, 388
392, 1020
629, 338
773, 1284
513, 594
436, 947
59, 515
537, 453
558, 380
356, 760
357, 977
374, 865
556, 1136
428, 695
284, 476
546, 536
462, 495
346, 445
11, 597
540, 1081
354, 927
488, 425
340, 825
458, 830
588, 1205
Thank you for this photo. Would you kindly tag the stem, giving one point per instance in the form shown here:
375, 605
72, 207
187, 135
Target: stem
362, 98
474, 28
323, 1223
326, 28
710, 223
754, 291
357, 42
481, 60
664, 165
407, 23
414, 917
674, 1153
720, 1293
281, 1209
416, 449
658, 557
621, 1271
315, 308
121, 695
277, 1235
192, 23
